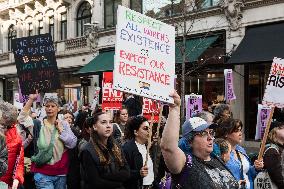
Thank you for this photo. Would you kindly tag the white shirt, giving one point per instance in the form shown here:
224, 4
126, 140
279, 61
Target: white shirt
148, 180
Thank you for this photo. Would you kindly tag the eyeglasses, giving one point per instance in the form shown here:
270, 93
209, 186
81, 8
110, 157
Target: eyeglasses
205, 134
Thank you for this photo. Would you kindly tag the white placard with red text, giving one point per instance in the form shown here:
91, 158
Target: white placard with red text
144, 56
274, 91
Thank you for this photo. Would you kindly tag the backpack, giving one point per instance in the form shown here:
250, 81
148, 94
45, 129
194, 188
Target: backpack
263, 180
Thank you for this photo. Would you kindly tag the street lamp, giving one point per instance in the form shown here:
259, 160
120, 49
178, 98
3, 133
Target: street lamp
91, 33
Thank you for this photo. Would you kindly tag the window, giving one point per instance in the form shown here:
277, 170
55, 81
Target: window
40, 27
30, 29
203, 4
63, 26
51, 27
11, 35
161, 9
84, 16
136, 5
110, 12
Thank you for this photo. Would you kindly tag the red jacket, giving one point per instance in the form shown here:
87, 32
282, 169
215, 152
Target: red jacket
15, 153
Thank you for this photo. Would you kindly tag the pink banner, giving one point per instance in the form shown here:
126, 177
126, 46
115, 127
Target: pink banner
229, 87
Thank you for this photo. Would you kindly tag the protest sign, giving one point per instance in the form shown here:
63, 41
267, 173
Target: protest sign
229, 86
144, 56
96, 98
36, 63
24, 98
151, 107
273, 94
111, 99
17, 102
194, 105
262, 120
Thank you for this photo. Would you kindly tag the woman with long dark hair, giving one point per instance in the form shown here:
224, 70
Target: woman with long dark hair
120, 120
102, 160
135, 149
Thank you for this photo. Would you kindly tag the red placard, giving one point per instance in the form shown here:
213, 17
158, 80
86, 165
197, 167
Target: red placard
151, 106
111, 99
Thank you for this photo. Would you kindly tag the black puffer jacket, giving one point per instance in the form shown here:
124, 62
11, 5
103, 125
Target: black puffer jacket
95, 175
3, 156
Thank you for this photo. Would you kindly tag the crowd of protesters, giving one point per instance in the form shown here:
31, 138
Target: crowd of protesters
93, 149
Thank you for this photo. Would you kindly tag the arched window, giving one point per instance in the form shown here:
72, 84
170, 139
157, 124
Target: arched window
110, 12
11, 35
84, 16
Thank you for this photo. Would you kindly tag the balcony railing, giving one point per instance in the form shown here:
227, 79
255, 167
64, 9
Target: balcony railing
76, 43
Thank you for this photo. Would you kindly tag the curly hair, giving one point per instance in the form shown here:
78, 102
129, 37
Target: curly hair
133, 124
9, 114
102, 150
219, 110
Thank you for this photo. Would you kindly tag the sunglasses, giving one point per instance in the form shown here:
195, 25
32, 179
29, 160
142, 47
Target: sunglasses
205, 134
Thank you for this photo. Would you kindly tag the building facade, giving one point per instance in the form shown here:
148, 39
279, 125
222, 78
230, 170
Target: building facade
214, 31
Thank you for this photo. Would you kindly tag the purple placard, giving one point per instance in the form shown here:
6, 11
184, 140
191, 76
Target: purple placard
194, 105
229, 87
262, 120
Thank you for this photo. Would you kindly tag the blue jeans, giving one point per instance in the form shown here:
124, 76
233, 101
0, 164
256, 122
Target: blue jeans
49, 182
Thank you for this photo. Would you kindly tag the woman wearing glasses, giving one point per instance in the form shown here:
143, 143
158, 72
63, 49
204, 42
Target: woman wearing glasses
135, 149
50, 163
239, 163
199, 169
102, 160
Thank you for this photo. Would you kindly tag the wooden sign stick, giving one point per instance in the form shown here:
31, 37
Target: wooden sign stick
150, 138
261, 151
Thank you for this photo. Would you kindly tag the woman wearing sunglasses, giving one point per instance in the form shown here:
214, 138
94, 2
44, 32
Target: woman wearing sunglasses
135, 149
239, 163
200, 169
102, 160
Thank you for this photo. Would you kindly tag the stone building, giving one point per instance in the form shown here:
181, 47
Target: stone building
219, 34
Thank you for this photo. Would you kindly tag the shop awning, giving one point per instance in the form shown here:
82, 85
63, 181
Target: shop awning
194, 48
260, 44
101, 63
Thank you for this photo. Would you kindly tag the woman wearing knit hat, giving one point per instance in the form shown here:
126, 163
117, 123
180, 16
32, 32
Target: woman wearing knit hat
199, 169
8, 122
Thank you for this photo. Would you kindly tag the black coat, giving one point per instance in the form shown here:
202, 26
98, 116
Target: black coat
135, 162
96, 176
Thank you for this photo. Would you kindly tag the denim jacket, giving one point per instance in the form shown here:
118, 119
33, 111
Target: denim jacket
234, 166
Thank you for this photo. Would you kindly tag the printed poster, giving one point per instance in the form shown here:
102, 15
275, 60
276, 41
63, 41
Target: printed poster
229, 86
194, 105
111, 99
263, 114
151, 106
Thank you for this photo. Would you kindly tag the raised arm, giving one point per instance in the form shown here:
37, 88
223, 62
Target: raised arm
173, 155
